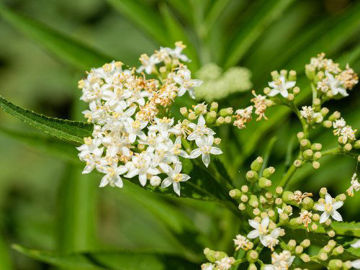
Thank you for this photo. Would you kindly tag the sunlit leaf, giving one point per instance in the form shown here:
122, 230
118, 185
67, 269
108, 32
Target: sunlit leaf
64, 47
63, 129
120, 260
144, 17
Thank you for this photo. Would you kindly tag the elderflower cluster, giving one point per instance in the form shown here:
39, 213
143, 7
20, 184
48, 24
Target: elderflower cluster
273, 215
133, 135
330, 80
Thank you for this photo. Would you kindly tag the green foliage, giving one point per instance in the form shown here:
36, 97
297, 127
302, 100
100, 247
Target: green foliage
67, 130
119, 260
70, 50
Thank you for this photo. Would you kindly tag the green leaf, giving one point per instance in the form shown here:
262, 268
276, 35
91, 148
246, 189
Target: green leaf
64, 47
177, 33
262, 16
144, 17
121, 260
347, 228
55, 147
77, 200
67, 130
4, 256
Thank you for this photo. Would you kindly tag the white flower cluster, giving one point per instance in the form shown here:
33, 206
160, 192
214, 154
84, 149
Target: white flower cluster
330, 79
280, 261
329, 207
345, 132
308, 113
132, 135
354, 185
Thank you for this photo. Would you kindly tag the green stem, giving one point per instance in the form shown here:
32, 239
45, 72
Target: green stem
286, 178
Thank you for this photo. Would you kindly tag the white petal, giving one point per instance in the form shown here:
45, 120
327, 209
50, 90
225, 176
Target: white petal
284, 93
328, 198
337, 205
206, 159
142, 179
254, 224
178, 167
356, 244
201, 120
265, 222
356, 264
324, 217
195, 153
104, 182
185, 177
119, 182
253, 234
176, 187
215, 151
273, 92
290, 84
167, 182
192, 136
336, 215
319, 207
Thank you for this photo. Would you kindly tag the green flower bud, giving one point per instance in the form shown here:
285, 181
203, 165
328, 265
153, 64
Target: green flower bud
264, 182
235, 193
308, 154
252, 266
252, 176
307, 203
252, 256
256, 164
214, 106
268, 172
335, 264
226, 112
357, 144
184, 111
292, 75
288, 197
254, 202
305, 143
310, 72
210, 117
336, 115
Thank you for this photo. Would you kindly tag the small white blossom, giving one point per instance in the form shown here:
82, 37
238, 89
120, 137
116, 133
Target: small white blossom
174, 177
355, 185
261, 230
281, 261
336, 86
329, 209
205, 149
199, 130
307, 112
225, 263
241, 242
280, 86
112, 175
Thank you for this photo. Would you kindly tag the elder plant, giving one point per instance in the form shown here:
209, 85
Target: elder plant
137, 137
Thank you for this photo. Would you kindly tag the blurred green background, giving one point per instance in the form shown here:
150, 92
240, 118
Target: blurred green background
45, 202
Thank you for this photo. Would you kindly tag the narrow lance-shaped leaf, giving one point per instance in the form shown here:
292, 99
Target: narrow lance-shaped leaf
117, 260
63, 129
144, 17
64, 47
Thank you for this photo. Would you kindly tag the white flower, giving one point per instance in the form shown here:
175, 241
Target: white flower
261, 229
183, 78
329, 209
338, 125
356, 244
148, 63
205, 149
307, 112
225, 263
241, 242
280, 261
141, 165
336, 86
280, 86
174, 177
355, 185
199, 130
207, 266
134, 129
271, 240
112, 175
356, 264
348, 134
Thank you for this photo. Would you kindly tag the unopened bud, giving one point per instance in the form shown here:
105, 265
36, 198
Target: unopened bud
235, 193
252, 176
256, 164
264, 182
268, 172
316, 165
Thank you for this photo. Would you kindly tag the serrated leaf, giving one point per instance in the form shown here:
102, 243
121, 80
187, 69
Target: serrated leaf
64, 47
263, 15
67, 130
121, 260
144, 17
